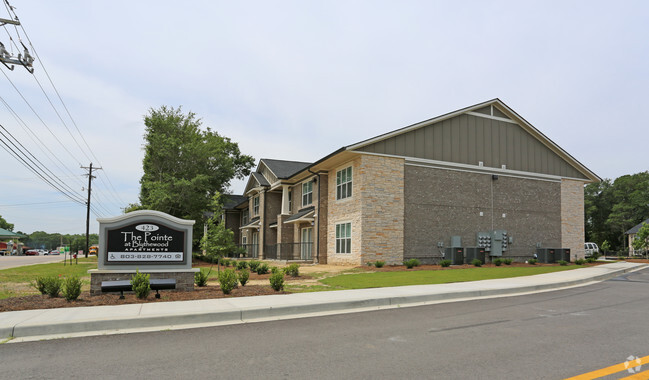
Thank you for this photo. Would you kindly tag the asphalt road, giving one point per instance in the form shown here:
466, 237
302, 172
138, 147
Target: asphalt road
18, 261
550, 335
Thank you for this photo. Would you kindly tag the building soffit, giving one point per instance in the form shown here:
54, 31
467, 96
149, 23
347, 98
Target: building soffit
504, 109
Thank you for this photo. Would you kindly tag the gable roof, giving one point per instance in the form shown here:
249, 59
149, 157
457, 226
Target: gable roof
489, 132
637, 228
538, 156
284, 169
231, 201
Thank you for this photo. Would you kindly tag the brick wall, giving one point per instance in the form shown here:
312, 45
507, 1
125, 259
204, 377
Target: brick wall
442, 203
572, 217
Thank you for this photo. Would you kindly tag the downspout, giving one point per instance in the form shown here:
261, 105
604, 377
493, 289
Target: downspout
261, 225
317, 248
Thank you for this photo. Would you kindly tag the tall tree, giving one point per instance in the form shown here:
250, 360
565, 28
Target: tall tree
613, 207
185, 166
6, 225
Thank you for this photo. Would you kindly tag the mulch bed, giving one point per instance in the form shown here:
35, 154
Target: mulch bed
85, 299
209, 292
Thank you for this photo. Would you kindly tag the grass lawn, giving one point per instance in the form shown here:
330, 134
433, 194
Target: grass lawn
16, 281
427, 277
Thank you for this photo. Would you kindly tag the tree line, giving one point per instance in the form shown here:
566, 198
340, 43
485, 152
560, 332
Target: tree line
613, 207
44, 240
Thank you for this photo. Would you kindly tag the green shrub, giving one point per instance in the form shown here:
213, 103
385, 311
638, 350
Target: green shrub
476, 263
581, 261
50, 285
620, 257
254, 264
72, 288
242, 265
588, 260
445, 263
225, 262
200, 277
498, 262
244, 275
369, 263
41, 284
508, 261
292, 270
262, 268
411, 263
379, 264
563, 263
227, 280
141, 285
274, 269
532, 261
277, 281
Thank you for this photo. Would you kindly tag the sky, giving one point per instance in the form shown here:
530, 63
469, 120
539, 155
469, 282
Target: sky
296, 80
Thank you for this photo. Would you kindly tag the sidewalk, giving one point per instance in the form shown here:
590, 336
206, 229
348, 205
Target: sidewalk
31, 325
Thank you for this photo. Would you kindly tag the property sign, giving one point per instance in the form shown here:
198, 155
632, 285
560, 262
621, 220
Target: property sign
148, 242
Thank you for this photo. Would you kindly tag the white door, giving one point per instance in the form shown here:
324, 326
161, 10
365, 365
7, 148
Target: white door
307, 243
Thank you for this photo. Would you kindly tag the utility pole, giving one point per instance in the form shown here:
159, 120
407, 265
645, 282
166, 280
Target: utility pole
90, 177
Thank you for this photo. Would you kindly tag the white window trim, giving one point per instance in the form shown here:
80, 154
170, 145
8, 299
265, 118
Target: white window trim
255, 212
303, 193
351, 237
351, 182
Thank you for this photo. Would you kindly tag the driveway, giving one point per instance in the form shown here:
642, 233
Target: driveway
18, 261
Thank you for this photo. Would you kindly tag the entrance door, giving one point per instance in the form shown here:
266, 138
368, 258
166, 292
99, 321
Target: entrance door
255, 244
307, 244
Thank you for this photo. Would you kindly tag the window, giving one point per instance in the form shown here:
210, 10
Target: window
344, 183
344, 238
244, 217
307, 193
255, 206
290, 200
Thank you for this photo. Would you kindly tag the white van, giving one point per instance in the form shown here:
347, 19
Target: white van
591, 248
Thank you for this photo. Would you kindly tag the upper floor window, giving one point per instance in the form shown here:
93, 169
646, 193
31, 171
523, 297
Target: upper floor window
255, 205
344, 183
307, 193
290, 200
244, 217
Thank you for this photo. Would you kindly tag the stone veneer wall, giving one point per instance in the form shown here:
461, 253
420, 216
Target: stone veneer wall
184, 280
376, 211
572, 218
382, 204
343, 211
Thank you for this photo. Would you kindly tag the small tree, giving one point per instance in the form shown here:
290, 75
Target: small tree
642, 238
219, 241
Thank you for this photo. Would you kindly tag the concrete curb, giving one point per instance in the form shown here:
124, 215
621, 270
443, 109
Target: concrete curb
43, 324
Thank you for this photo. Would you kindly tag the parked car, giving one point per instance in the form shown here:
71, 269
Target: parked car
31, 252
54, 252
591, 248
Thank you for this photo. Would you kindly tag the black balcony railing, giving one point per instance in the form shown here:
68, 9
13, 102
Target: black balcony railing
247, 250
289, 251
